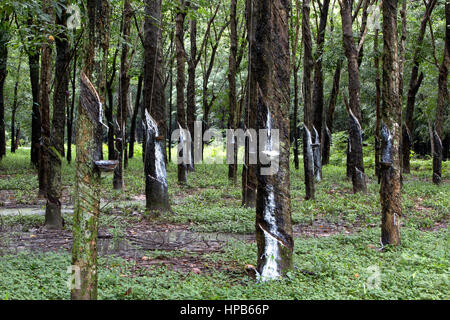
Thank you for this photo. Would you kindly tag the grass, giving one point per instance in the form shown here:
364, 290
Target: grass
342, 267
341, 264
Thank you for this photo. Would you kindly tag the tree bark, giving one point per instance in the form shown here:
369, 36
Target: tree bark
295, 67
4, 38
14, 109
134, 117
249, 170
33, 62
390, 189
318, 101
155, 118
87, 193
308, 64
377, 106
355, 154
70, 111
46, 60
414, 84
232, 121
271, 70
190, 90
327, 138
122, 108
442, 103
53, 217
181, 115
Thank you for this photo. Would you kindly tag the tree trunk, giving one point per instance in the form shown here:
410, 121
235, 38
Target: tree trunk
122, 108
318, 118
134, 116
190, 90
4, 38
53, 217
414, 84
33, 62
295, 67
70, 111
109, 110
249, 170
181, 115
270, 67
327, 138
308, 64
87, 194
355, 154
14, 109
377, 106
46, 60
442, 104
154, 115
390, 189
232, 121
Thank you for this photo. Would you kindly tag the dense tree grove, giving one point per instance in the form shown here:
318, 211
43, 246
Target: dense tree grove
368, 78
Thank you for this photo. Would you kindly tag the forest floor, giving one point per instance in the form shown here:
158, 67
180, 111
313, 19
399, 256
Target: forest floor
201, 249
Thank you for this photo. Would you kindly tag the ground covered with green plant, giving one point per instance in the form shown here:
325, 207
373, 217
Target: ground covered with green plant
203, 248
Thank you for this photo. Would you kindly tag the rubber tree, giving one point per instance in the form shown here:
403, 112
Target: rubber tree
89, 136
233, 119
44, 104
295, 68
271, 70
4, 38
33, 63
122, 108
352, 52
156, 190
181, 60
442, 103
308, 64
318, 96
415, 82
390, 170
249, 179
15, 106
53, 217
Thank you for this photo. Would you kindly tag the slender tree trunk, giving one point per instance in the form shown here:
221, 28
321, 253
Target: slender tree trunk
4, 38
134, 116
122, 108
355, 154
232, 120
270, 67
190, 90
33, 62
112, 155
70, 111
414, 84
181, 115
46, 60
377, 106
295, 67
327, 138
442, 104
390, 189
318, 101
308, 64
53, 217
169, 132
249, 170
14, 109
